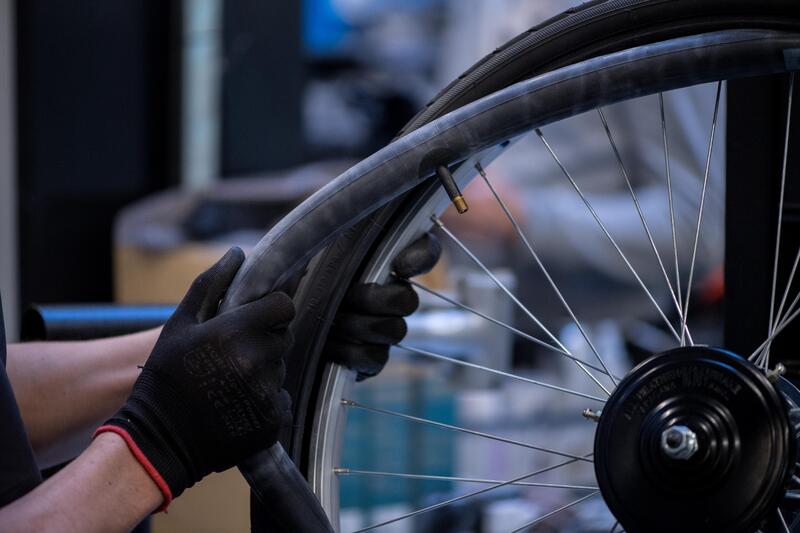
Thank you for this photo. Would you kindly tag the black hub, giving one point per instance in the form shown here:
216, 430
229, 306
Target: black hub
694, 440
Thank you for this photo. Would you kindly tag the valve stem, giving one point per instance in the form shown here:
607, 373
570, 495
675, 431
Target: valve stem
451, 187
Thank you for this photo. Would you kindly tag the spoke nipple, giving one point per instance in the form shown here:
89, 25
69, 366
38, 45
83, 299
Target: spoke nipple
775, 374
480, 170
339, 470
594, 416
451, 187
349, 403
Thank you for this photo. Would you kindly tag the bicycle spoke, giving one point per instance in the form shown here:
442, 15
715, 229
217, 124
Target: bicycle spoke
497, 282
779, 313
672, 225
791, 309
780, 221
607, 234
639, 209
671, 202
510, 328
777, 331
550, 280
442, 425
761, 360
783, 522
553, 513
795, 522
498, 372
468, 495
350, 471
700, 214
613, 527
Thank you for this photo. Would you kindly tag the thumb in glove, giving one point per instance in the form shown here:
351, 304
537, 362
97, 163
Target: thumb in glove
371, 317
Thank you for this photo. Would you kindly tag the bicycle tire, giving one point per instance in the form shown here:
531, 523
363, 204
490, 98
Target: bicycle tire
325, 282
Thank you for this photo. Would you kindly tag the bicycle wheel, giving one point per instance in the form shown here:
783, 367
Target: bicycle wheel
477, 133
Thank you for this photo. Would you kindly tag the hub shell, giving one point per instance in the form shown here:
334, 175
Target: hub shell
745, 456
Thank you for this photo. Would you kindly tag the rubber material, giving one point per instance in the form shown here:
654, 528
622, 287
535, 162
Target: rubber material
594, 28
277, 484
402, 165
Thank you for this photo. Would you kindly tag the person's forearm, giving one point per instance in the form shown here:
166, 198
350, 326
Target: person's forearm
104, 490
66, 389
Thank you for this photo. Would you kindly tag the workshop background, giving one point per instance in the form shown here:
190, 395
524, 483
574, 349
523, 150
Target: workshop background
139, 139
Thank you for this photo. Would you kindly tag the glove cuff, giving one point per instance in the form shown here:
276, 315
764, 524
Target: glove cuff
153, 436
142, 459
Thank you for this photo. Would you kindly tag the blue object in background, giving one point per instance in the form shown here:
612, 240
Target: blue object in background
323, 28
90, 321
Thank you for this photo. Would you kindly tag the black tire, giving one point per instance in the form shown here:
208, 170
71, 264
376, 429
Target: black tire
596, 28
593, 29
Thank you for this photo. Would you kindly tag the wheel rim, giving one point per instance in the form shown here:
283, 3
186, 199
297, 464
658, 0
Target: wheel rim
337, 382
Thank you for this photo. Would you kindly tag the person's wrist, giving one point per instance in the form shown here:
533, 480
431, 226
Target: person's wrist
146, 495
152, 440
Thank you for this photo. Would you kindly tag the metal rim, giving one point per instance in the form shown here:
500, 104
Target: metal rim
329, 420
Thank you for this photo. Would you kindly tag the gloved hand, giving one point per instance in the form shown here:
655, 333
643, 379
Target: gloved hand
371, 317
210, 394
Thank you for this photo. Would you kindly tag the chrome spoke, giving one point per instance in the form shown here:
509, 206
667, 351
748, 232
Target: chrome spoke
468, 495
761, 360
775, 333
791, 309
553, 513
639, 210
350, 471
783, 521
795, 522
497, 282
780, 223
671, 203
700, 213
508, 327
779, 313
497, 372
442, 425
550, 280
607, 234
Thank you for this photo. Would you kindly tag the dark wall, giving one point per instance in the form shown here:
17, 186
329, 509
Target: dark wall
263, 71
94, 123
757, 111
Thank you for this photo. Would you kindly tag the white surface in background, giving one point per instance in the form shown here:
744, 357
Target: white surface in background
506, 515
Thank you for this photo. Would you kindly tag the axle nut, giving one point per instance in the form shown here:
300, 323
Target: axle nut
678, 442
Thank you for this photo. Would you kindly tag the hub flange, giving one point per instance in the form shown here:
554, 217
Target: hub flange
736, 451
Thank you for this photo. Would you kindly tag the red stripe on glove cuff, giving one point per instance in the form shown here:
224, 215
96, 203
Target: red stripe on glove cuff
143, 460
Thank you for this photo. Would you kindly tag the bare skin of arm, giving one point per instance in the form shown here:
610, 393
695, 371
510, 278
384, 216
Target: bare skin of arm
106, 476
65, 390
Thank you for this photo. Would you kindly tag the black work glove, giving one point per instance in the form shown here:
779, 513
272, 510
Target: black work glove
210, 394
371, 317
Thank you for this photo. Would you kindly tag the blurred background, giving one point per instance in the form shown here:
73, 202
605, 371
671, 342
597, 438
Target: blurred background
139, 139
